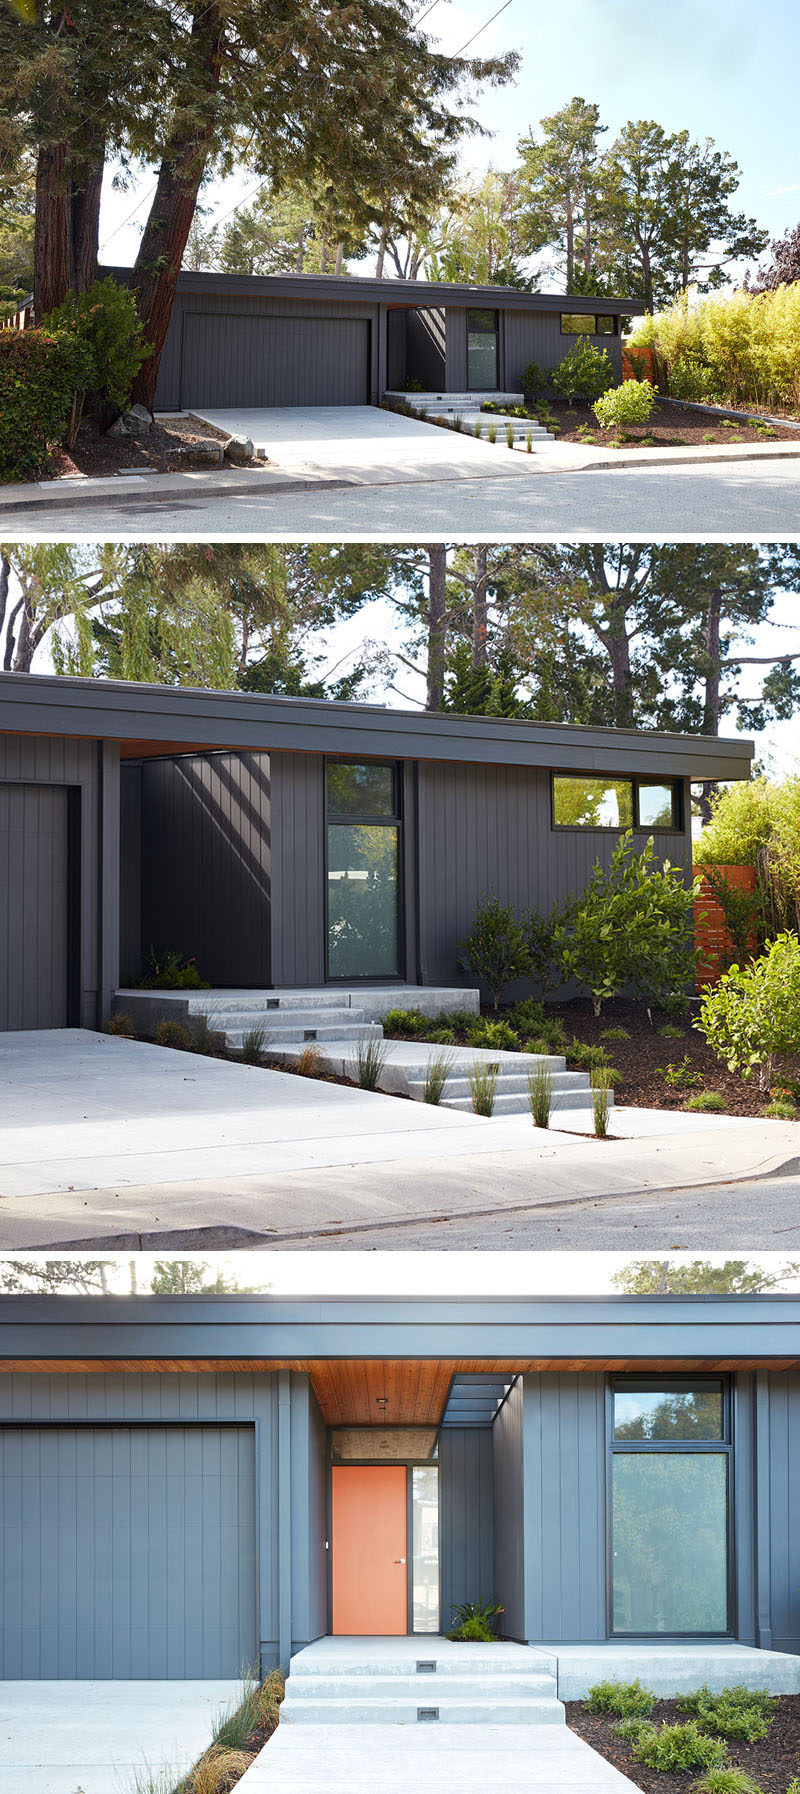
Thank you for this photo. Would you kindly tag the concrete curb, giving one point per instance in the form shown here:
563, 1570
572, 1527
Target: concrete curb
202, 486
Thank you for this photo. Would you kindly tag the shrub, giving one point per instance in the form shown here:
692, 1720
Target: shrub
585, 373
310, 1063
207, 1038
781, 1108
534, 379
170, 971
630, 403
472, 1622
122, 1024
106, 321
218, 1769
174, 1034
673, 1748
628, 1699
752, 1017
369, 1061
758, 824
437, 1073
481, 1032
482, 1078
253, 1044
40, 373
683, 1076
632, 927
543, 938
400, 1022
726, 1781
631, 1729
601, 1101
671, 1031
748, 345
527, 1017
615, 1034
495, 950
739, 1712
707, 1102
584, 1056
540, 1095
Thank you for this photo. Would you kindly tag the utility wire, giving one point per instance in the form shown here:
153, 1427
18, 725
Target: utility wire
119, 227
482, 28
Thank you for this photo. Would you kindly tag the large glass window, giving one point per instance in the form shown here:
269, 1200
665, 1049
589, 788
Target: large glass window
670, 1477
582, 800
425, 1546
363, 870
482, 357
657, 804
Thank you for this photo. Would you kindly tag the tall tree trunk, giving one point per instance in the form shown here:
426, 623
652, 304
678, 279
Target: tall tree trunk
158, 264
67, 225
339, 258
619, 652
480, 609
381, 258
437, 624
712, 695
570, 245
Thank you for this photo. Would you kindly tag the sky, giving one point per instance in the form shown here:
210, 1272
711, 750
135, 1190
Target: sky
411, 1274
713, 67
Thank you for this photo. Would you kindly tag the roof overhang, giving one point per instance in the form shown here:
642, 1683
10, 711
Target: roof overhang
355, 289
164, 719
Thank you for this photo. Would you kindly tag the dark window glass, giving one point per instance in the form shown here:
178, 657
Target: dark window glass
363, 863
669, 1412
605, 326
657, 805
580, 802
482, 334
360, 790
578, 323
670, 1542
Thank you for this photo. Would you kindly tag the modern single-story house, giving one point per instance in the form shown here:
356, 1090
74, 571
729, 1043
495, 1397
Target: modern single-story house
294, 843
323, 339
193, 1483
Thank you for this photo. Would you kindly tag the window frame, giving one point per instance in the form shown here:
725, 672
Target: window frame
676, 827
594, 315
341, 819
725, 1447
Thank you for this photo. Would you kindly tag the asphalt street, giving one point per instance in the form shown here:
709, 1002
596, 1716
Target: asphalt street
734, 499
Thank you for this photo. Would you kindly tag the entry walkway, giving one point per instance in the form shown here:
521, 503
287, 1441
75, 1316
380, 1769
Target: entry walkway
95, 1737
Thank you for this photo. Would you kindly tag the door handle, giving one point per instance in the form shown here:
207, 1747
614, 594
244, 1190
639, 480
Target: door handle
399, 1560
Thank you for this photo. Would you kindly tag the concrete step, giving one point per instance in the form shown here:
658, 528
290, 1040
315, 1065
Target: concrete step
539, 1685
352, 1707
297, 1034
517, 1103
509, 1083
449, 402
273, 1002
277, 1020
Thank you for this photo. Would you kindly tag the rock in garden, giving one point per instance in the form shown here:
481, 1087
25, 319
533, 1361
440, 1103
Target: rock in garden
193, 454
120, 428
138, 420
239, 449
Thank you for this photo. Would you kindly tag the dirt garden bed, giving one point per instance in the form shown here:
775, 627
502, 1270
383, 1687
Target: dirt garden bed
97, 455
670, 426
772, 1762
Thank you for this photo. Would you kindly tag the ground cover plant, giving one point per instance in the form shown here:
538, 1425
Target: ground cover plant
239, 1734
678, 1729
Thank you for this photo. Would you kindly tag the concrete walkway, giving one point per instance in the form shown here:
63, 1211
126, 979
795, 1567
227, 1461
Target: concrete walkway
101, 1136
92, 1737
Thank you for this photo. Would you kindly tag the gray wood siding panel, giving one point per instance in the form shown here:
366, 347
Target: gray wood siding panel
130, 880
298, 869
509, 1513
426, 356
268, 359
205, 863
396, 350
565, 1594
466, 1531
485, 829
161, 1397
784, 1509
52, 761
233, 306
456, 348
536, 336
309, 1508
128, 1552
34, 908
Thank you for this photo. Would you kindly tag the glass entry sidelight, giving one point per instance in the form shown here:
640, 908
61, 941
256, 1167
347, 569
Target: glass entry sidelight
483, 361
363, 869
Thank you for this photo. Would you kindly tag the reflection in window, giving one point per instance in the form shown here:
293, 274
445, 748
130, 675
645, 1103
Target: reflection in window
482, 335
580, 802
578, 323
656, 805
362, 900
360, 789
425, 1534
669, 1413
670, 1541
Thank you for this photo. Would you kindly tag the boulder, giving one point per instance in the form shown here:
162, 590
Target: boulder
138, 420
119, 428
193, 454
239, 449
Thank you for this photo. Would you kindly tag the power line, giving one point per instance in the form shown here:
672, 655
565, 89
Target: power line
119, 227
424, 15
482, 28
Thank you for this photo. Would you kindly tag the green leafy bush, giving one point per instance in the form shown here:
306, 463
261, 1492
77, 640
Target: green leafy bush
631, 1729
585, 373
106, 321
630, 403
758, 824
726, 1781
628, 1699
747, 343
499, 1035
543, 937
682, 1076
169, 971
527, 1017
673, 1748
40, 373
534, 379
632, 928
495, 950
406, 1022
707, 1102
472, 1622
738, 1712
752, 1017
585, 1056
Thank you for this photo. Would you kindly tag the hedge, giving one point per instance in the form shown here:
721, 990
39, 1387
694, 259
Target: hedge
39, 373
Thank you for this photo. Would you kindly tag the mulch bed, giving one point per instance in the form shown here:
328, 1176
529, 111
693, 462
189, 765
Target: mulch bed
669, 426
96, 454
643, 1059
772, 1763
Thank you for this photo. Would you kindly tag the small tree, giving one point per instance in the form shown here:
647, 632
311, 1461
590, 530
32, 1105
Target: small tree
752, 1017
584, 373
631, 928
496, 949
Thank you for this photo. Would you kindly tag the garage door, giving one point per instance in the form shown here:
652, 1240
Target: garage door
127, 1552
34, 906
229, 360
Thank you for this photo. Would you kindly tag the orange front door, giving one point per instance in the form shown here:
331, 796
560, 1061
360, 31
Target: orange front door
368, 1549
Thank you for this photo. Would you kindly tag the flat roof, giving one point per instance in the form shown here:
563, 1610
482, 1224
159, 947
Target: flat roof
522, 1332
358, 287
165, 718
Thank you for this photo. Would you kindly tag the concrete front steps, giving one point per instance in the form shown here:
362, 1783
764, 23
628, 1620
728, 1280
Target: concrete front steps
467, 406
297, 1018
569, 1089
467, 1685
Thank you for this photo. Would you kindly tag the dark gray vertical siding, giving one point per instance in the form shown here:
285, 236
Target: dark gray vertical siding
185, 377
34, 906
130, 872
426, 347
536, 336
509, 1513
206, 863
565, 1506
488, 828
298, 869
271, 360
396, 375
784, 1509
51, 761
309, 1514
466, 1530
743, 1617
456, 348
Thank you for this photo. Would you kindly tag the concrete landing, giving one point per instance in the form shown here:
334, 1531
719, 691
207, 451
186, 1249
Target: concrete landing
671, 1669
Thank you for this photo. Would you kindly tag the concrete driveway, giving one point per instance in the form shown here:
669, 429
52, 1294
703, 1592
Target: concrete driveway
93, 1737
368, 446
